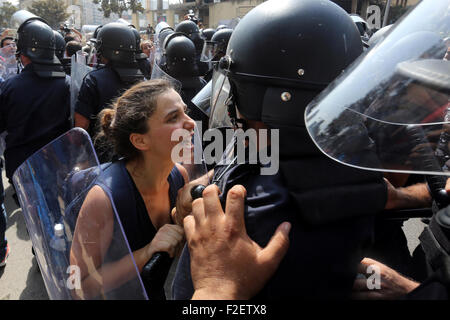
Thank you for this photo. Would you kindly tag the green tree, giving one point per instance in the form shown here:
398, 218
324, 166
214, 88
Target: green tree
6, 11
119, 6
52, 11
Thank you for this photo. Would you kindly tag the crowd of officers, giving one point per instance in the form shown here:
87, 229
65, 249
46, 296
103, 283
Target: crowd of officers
328, 239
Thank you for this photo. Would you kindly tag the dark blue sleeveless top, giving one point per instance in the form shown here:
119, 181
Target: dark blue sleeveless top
137, 226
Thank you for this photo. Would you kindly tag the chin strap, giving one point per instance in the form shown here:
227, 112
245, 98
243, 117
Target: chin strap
19, 64
237, 123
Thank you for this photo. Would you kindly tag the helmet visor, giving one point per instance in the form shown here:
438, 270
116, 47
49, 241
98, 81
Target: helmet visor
202, 99
209, 51
221, 90
158, 73
389, 111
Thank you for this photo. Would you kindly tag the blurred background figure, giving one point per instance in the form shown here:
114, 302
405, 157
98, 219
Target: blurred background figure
191, 30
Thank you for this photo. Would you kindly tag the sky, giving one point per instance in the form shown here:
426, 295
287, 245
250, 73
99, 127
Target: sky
16, 2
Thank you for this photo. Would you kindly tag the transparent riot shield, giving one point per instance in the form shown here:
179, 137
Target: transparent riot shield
209, 51
76, 233
159, 73
379, 35
2, 143
161, 26
8, 62
79, 70
389, 111
162, 30
92, 59
20, 17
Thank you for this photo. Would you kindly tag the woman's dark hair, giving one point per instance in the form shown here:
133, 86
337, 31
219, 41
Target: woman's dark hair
69, 38
72, 47
4, 39
129, 114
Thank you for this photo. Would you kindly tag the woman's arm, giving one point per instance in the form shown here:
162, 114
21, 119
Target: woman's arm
92, 239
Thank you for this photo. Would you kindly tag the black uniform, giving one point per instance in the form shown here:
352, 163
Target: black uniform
322, 258
34, 111
145, 67
190, 86
331, 207
97, 91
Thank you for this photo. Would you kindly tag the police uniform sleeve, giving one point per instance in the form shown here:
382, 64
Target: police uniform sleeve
87, 101
2, 107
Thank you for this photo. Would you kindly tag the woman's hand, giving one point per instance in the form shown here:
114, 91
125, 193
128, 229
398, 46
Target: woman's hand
184, 199
169, 238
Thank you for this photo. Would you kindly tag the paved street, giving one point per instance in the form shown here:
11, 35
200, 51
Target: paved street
21, 280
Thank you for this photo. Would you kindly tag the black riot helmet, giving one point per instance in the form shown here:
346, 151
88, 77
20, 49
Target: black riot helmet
306, 44
191, 30
139, 54
220, 27
216, 48
60, 45
117, 43
180, 56
95, 34
207, 34
221, 39
36, 40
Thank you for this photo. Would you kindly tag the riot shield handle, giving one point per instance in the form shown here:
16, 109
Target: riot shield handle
197, 191
151, 273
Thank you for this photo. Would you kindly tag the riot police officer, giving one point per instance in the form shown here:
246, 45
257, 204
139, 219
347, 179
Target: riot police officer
270, 88
116, 47
60, 48
181, 64
392, 117
35, 104
162, 31
216, 48
208, 33
90, 50
141, 57
190, 29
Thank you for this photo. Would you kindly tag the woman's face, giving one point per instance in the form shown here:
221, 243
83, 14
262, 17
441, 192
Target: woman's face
147, 48
168, 117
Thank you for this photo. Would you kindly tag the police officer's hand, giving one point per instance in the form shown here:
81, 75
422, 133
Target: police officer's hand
225, 262
382, 282
447, 186
184, 199
414, 196
169, 238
